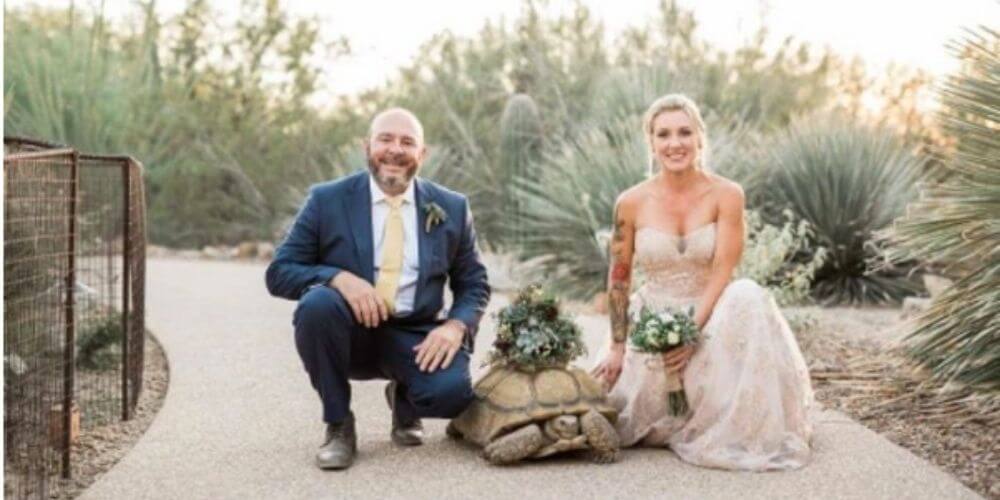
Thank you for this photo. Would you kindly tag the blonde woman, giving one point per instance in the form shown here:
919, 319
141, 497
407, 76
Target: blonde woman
746, 381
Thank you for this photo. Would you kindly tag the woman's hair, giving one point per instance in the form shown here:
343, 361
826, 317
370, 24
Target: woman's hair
675, 102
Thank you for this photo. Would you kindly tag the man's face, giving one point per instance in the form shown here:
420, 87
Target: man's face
395, 151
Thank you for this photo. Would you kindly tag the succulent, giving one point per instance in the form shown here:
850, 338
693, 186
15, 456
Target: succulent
533, 334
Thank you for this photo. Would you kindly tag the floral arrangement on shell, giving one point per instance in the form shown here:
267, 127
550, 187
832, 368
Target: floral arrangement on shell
531, 403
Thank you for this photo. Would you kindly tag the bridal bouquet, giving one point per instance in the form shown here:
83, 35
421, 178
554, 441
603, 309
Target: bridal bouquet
533, 334
659, 333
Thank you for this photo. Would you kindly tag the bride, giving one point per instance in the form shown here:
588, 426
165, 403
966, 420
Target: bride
746, 382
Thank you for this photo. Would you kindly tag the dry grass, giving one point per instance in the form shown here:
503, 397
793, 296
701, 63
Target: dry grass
858, 369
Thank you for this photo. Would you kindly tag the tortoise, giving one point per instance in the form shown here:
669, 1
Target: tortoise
519, 414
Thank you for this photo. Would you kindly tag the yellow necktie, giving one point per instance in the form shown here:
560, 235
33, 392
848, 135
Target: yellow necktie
392, 254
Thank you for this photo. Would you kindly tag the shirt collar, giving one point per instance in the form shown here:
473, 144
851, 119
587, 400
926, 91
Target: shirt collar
378, 195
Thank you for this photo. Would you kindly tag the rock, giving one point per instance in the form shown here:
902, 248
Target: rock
913, 306
16, 365
157, 251
246, 250
265, 250
189, 254
210, 252
936, 285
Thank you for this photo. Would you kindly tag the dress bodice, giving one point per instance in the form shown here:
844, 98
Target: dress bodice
674, 269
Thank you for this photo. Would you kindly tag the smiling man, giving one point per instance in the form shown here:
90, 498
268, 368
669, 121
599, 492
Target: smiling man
367, 260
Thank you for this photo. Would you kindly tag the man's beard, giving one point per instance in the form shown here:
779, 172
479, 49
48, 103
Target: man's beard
390, 181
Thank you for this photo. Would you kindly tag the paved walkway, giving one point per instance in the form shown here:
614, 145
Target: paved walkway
241, 421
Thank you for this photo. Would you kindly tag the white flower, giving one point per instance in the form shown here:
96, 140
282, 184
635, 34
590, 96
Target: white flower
666, 317
673, 338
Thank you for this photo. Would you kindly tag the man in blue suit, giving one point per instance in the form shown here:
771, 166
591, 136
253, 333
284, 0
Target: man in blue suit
367, 259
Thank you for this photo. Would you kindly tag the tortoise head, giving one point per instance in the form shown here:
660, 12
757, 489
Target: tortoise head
562, 427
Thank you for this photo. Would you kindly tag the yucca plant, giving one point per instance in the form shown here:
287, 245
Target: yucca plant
847, 181
956, 225
568, 208
79, 87
625, 93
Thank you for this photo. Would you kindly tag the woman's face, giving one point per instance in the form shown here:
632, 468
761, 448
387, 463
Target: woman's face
675, 141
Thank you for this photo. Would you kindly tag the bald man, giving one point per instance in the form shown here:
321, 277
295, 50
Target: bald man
367, 260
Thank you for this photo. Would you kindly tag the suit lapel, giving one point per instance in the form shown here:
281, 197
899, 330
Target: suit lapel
358, 208
424, 242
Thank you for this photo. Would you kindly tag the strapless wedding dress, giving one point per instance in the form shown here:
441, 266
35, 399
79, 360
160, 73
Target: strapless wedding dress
747, 384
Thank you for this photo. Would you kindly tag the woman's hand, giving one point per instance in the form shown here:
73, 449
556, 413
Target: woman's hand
675, 360
608, 370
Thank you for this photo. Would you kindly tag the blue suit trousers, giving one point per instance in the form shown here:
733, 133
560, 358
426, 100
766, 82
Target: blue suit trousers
334, 349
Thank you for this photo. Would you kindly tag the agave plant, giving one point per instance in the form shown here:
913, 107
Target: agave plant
848, 182
956, 225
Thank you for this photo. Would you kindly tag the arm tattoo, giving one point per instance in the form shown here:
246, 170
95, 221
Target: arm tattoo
618, 307
620, 283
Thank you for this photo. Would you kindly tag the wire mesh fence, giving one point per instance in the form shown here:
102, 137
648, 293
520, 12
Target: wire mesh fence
74, 282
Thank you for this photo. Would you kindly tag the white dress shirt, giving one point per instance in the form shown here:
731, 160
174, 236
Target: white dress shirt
407, 290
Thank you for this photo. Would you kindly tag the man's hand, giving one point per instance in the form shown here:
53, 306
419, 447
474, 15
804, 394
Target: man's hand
440, 346
369, 309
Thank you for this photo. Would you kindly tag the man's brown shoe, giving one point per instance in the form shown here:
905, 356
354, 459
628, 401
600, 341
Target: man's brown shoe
409, 433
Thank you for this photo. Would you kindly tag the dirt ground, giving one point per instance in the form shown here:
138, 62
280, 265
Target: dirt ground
100, 448
858, 368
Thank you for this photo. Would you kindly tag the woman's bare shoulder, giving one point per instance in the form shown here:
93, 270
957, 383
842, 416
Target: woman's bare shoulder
726, 190
629, 199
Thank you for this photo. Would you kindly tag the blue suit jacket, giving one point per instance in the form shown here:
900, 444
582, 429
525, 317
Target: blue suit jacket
333, 233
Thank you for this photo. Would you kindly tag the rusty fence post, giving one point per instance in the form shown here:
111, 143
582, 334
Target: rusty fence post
126, 282
69, 348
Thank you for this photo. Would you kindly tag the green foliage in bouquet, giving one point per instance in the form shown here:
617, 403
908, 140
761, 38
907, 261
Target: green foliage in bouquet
661, 332
532, 334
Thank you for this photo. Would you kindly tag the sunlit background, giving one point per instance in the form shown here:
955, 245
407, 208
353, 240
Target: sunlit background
864, 133
384, 35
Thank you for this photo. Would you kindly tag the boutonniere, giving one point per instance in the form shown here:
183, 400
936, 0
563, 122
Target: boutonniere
435, 215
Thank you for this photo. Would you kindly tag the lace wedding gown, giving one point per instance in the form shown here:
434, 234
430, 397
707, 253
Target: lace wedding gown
747, 385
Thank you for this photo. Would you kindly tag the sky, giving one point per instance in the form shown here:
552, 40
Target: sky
385, 35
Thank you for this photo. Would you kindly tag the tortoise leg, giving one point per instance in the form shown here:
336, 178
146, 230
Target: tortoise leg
515, 446
602, 437
452, 431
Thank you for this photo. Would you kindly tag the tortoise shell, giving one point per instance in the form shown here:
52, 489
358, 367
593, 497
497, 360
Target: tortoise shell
507, 399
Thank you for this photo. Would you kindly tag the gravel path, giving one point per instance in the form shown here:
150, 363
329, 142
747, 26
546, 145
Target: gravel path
241, 421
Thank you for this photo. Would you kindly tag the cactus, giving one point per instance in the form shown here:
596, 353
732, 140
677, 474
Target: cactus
520, 145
